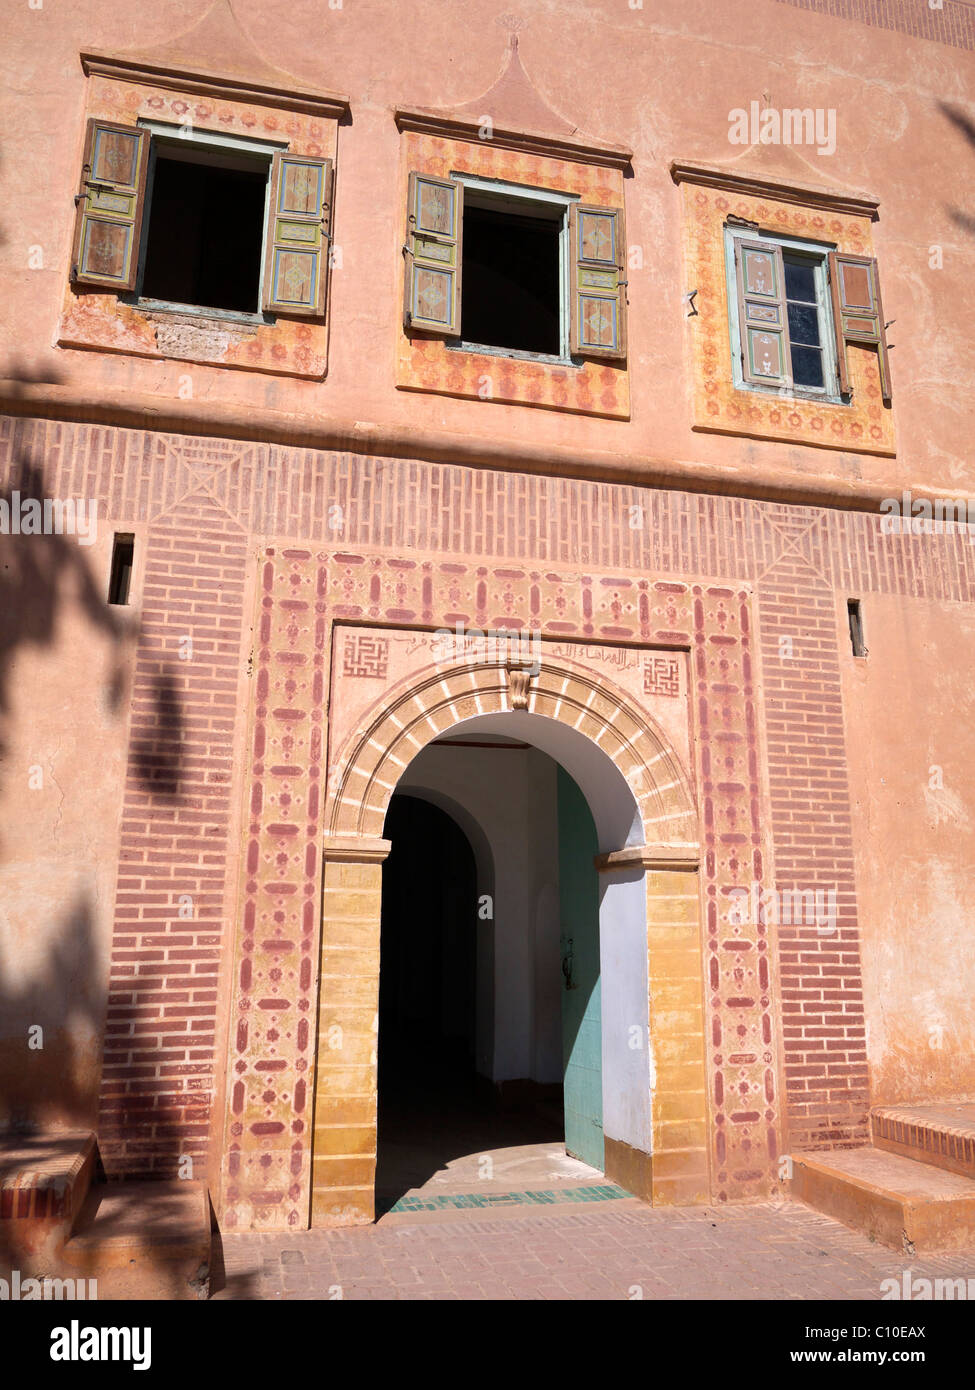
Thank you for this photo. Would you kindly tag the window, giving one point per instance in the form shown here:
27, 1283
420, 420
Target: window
519, 271
805, 300
207, 222
204, 226
120, 578
854, 613
512, 294
793, 308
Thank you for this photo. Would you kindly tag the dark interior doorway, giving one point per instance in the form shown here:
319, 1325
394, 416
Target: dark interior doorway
433, 1107
426, 984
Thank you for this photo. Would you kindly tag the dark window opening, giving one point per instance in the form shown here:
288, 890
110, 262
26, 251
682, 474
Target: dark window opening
856, 627
804, 331
123, 553
205, 236
510, 287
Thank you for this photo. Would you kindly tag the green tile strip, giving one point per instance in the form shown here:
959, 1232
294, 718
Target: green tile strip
605, 1192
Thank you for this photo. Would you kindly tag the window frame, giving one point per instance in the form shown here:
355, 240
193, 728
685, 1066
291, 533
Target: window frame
818, 253
498, 195
163, 135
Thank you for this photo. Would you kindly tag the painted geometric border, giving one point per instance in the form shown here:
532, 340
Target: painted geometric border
268, 1140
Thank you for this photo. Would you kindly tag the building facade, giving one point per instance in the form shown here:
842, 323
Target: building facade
559, 419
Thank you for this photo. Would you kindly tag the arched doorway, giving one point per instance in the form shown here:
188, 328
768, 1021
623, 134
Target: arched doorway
651, 1066
489, 1043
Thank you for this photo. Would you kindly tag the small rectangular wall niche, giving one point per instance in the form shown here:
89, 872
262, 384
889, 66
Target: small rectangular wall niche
123, 552
855, 617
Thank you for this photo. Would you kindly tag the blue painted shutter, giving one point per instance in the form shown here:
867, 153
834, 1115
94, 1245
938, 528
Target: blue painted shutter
858, 313
582, 1039
434, 246
298, 236
110, 205
598, 293
766, 357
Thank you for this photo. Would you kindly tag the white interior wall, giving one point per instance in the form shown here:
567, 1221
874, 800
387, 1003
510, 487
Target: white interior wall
504, 799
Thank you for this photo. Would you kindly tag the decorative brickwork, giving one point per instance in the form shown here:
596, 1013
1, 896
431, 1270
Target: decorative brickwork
174, 900
432, 545
714, 622
822, 1001
952, 22
432, 699
479, 516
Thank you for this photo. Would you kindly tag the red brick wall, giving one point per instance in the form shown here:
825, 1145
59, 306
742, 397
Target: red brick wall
823, 1033
210, 506
159, 1076
953, 24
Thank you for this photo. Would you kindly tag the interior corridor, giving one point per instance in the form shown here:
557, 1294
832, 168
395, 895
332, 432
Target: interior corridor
466, 1105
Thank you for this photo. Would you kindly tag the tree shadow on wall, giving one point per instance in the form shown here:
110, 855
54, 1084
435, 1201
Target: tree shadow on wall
48, 1010
50, 1065
43, 576
963, 123
48, 581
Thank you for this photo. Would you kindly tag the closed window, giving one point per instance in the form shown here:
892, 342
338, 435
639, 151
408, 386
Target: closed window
806, 314
794, 307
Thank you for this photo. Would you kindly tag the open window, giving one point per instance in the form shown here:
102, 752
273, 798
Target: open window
205, 218
794, 307
513, 287
519, 271
202, 222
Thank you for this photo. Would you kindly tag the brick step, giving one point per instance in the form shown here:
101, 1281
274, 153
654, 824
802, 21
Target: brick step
942, 1135
910, 1206
143, 1240
44, 1180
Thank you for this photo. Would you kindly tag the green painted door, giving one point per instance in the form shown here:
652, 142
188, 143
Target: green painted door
581, 1019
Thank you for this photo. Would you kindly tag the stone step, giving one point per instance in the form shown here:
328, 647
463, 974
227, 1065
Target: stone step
910, 1206
942, 1135
144, 1240
44, 1180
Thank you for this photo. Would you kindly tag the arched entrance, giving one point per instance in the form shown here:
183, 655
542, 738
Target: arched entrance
654, 1112
489, 1041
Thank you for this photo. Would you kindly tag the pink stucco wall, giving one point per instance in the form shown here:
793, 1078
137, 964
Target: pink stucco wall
663, 80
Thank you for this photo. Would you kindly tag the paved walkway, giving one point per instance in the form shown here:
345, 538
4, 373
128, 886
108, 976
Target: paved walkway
600, 1247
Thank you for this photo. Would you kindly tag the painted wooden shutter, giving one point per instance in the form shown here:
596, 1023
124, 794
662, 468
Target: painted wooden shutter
110, 204
858, 314
598, 296
298, 236
763, 320
434, 246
